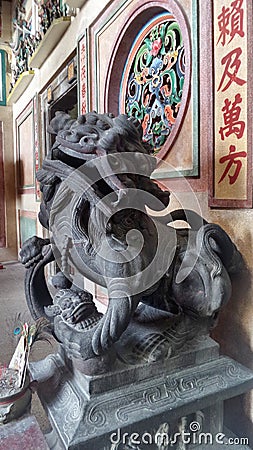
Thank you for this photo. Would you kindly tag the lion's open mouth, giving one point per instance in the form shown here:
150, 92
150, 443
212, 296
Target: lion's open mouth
73, 309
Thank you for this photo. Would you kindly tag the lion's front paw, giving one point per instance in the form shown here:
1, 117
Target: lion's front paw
31, 251
113, 324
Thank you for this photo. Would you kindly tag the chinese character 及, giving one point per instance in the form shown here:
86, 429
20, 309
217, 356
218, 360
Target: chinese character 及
232, 64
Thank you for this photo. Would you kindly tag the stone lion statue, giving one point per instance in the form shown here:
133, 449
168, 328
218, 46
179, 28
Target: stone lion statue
101, 209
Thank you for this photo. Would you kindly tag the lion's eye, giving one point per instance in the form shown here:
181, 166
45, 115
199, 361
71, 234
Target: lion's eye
89, 139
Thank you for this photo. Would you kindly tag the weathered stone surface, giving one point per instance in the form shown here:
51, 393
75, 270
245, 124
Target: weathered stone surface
100, 205
147, 363
137, 406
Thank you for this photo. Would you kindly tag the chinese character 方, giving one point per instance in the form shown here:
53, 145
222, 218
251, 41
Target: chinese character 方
233, 161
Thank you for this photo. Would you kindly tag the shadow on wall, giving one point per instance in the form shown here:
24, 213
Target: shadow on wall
20, 173
233, 334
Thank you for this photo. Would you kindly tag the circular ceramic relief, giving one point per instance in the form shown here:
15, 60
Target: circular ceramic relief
153, 82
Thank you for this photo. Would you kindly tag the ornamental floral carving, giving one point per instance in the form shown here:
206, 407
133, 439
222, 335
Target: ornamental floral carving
154, 78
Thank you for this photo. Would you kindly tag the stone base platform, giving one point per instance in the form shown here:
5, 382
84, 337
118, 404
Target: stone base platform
154, 405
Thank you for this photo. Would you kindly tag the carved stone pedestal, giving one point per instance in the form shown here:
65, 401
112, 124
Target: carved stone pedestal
176, 403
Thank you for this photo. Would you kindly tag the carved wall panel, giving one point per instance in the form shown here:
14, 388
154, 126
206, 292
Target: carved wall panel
155, 79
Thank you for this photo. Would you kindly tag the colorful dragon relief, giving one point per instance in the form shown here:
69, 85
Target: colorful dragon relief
153, 79
106, 221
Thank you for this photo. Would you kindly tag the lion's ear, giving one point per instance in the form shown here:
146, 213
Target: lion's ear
60, 121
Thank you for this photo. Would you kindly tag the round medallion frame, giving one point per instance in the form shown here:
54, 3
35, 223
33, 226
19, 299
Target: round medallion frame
141, 17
